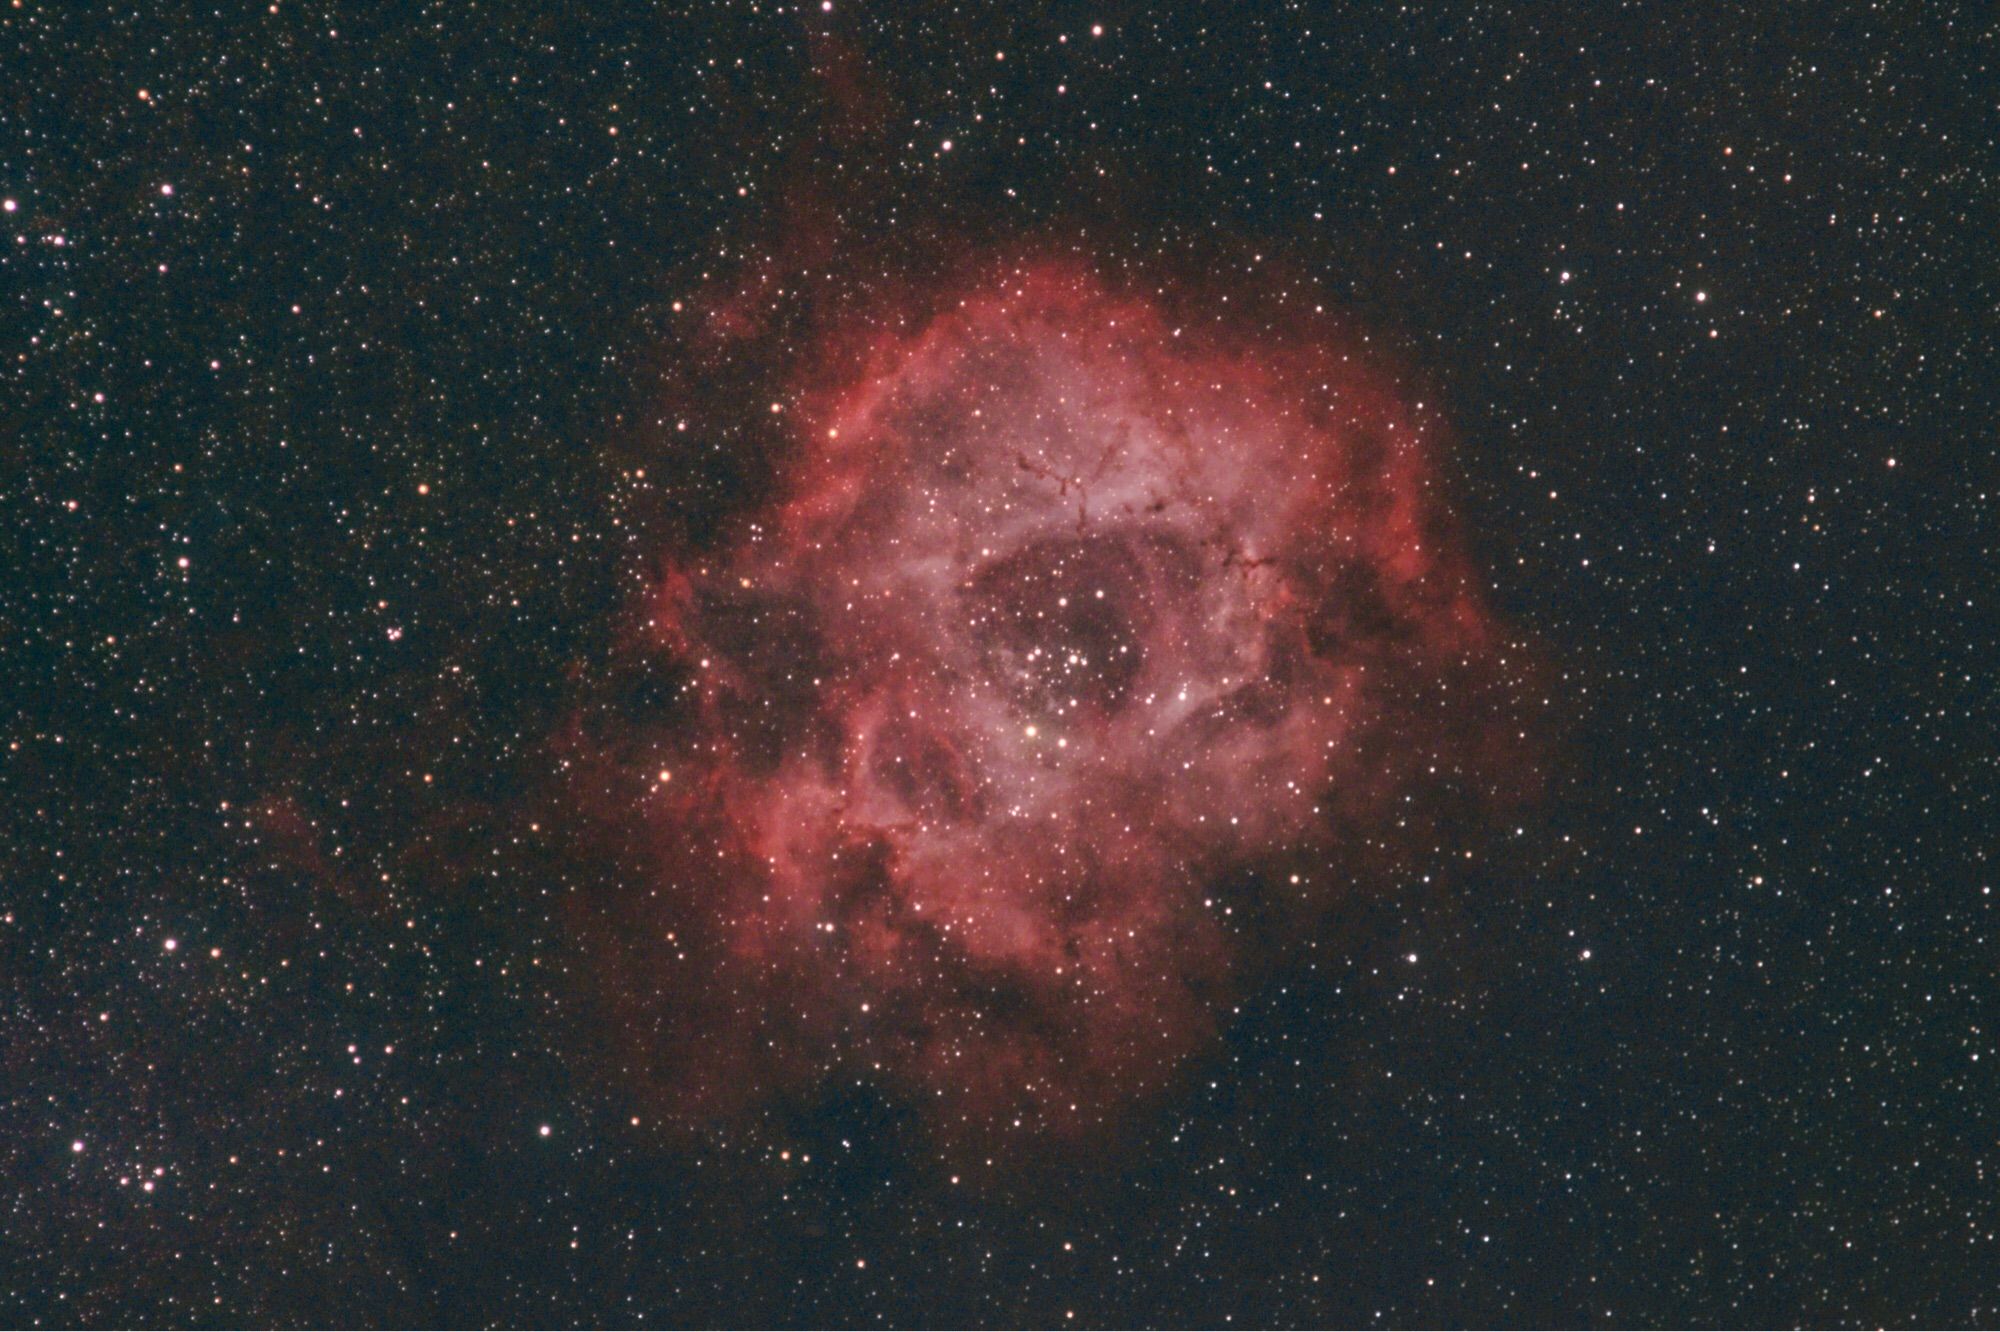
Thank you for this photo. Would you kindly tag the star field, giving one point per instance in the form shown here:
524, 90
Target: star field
433, 723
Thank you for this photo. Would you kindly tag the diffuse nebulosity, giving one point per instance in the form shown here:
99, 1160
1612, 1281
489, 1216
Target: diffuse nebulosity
1086, 649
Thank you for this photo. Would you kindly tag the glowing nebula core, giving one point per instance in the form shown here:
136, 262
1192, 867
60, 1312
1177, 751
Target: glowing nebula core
1074, 628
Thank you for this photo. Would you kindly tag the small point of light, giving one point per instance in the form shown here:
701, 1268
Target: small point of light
167, 190
946, 145
76, 1146
172, 944
546, 1130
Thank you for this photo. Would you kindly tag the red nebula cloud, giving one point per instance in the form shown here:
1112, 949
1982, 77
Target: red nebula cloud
1071, 618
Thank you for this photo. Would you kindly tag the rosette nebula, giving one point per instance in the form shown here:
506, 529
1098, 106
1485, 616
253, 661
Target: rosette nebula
1084, 652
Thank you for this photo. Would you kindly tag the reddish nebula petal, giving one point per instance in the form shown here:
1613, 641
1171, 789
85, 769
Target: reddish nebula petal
1063, 616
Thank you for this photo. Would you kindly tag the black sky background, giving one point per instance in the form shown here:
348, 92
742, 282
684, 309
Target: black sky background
1707, 293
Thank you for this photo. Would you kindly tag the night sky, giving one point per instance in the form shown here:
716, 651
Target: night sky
913, 663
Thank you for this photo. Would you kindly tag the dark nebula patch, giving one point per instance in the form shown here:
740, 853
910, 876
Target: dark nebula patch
1068, 605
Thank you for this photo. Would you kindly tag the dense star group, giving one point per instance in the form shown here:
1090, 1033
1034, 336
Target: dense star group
1067, 611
